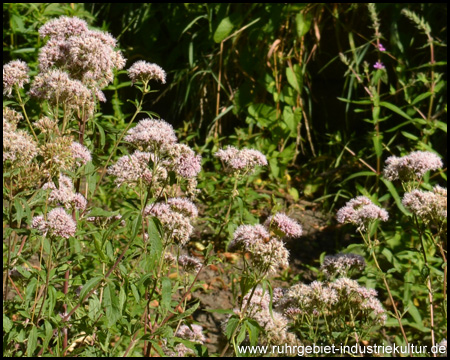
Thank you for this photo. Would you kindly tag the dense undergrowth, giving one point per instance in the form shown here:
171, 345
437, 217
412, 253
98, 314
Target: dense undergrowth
111, 214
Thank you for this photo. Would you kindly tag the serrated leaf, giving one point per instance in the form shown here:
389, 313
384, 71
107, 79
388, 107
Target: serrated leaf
232, 324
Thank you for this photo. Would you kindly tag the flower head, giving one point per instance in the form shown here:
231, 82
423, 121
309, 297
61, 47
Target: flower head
244, 160
360, 211
176, 226
189, 264
58, 223
342, 264
428, 205
284, 225
14, 73
185, 162
80, 153
381, 47
63, 27
19, 148
144, 71
152, 135
58, 88
379, 65
131, 169
267, 254
183, 206
412, 166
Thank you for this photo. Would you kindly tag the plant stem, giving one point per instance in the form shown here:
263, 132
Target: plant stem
397, 316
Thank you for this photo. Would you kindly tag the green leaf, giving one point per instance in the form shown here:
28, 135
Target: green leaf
156, 246
303, 24
135, 291
241, 336
99, 212
111, 303
253, 331
19, 210
395, 195
294, 77
395, 109
223, 30
32, 342
48, 334
232, 324
166, 293
359, 174
274, 168
7, 324
89, 286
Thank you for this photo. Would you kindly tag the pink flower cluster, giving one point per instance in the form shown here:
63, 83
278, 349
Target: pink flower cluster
334, 299
189, 264
65, 194
428, 205
274, 324
19, 148
57, 87
412, 166
58, 224
152, 135
184, 161
11, 116
244, 160
131, 169
162, 154
267, 253
80, 153
342, 264
144, 71
284, 225
177, 227
15, 73
87, 55
361, 211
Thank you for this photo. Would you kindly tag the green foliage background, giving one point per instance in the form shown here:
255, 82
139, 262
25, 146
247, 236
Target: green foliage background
289, 80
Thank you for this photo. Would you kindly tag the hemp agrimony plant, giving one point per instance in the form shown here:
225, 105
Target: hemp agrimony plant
82, 279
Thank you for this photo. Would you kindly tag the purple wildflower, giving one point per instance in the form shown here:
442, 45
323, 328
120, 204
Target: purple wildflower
63, 27
189, 264
19, 147
185, 162
379, 65
284, 225
183, 206
381, 47
144, 71
360, 211
14, 73
412, 166
152, 135
342, 264
428, 205
176, 226
80, 153
241, 160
